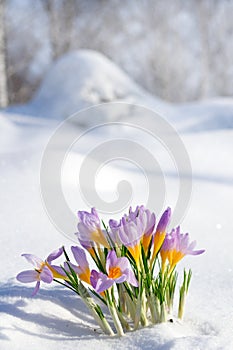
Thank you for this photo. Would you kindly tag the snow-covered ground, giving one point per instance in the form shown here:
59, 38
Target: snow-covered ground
55, 317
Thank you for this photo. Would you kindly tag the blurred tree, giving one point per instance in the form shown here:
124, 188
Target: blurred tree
3, 64
68, 18
61, 17
54, 26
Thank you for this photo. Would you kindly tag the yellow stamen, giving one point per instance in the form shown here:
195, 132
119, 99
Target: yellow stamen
114, 272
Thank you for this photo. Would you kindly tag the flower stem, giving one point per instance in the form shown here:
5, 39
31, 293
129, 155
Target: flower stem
123, 321
183, 293
144, 320
113, 312
163, 312
117, 322
181, 305
95, 310
154, 308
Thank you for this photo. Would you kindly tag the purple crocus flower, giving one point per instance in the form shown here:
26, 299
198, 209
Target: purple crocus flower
176, 245
133, 228
161, 231
114, 232
148, 223
118, 270
89, 229
43, 270
147, 218
130, 234
82, 269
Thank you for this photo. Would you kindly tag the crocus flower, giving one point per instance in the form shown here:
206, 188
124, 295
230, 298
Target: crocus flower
114, 232
130, 234
118, 271
176, 245
82, 269
89, 229
161, 232
43, 270
148, 222
137, 226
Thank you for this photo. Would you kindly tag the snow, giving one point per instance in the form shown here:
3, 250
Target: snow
92, 78
55, 315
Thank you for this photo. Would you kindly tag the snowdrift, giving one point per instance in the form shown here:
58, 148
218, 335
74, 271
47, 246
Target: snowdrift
85, 78
81, 79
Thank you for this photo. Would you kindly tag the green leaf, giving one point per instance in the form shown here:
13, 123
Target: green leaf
65, 253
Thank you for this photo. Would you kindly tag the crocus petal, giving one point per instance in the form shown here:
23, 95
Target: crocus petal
46, 275
148, 221
128, 276
57, 272
55, 254
36, 289
111, 260
84, 231
103, 283
85, 244
34, 260
28, 276
192, 245
69, 265
95, 214
121, 279
94, 278
80, 256
164, 221
131, 277
130, 232
123, 263
197, 252
114, 225
88, 222
100, 282
114, 231
183, 241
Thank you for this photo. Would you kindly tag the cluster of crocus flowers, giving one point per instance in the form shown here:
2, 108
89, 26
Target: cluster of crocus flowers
135, 272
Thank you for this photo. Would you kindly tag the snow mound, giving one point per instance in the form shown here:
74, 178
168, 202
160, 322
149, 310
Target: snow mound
82, 79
